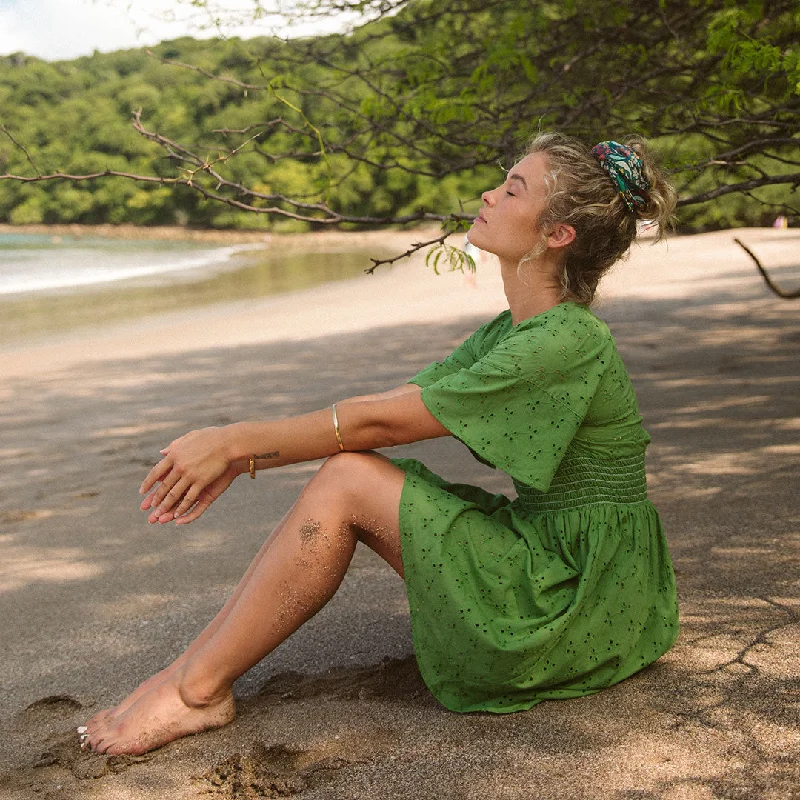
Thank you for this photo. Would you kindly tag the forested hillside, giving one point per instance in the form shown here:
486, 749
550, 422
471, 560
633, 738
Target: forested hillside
409, 117
75, 117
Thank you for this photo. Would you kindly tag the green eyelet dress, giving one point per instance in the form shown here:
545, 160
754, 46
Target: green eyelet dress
568, 588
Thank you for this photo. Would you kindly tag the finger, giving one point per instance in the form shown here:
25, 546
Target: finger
195, 513
189, 499
155, 475
147, 502
173, 496
160, 505
167, 484
150, 500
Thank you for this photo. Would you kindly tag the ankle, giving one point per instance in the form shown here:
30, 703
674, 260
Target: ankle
199, 692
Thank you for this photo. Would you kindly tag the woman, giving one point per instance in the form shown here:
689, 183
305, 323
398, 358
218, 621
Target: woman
559, 593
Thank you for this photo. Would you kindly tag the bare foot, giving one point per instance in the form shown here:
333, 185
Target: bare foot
142, 689
156, 718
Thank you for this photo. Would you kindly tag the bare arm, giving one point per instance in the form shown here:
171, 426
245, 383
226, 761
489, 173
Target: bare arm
365, 423
199, 466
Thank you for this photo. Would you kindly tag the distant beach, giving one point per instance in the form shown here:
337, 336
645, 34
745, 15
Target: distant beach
56, 279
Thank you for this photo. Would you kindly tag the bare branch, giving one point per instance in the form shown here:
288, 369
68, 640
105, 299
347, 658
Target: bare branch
7, 132
325, 215
210, 75
415, 248
731, 188
106, 173
770, 283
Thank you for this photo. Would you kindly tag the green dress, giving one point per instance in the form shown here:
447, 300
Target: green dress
568, 588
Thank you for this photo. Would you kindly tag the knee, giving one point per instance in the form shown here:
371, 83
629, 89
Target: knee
346, 467
349, 474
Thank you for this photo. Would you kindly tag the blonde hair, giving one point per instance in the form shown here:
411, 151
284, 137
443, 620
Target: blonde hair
581, 194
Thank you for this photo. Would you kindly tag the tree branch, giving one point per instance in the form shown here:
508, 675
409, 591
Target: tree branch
786, 295
7, 132
415, 248
712, 194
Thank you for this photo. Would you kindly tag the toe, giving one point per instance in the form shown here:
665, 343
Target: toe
99, 747
93, 738
101, 716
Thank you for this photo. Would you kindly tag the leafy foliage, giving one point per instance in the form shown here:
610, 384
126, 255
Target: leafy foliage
411, 115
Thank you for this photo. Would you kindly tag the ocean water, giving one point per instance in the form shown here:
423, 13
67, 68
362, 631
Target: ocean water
41, 263
55, 284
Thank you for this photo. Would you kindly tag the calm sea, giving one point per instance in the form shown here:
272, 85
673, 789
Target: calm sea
52, 284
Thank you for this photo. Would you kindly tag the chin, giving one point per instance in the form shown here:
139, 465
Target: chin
474, 238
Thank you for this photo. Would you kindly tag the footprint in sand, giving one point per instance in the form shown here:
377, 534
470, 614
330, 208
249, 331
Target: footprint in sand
54, 705
276, 771
51, 721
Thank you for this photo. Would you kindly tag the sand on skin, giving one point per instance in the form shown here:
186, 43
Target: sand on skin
93, 600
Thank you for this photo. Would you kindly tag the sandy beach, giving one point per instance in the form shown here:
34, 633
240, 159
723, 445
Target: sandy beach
93, 600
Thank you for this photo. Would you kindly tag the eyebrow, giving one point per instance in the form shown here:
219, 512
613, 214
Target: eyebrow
515, 177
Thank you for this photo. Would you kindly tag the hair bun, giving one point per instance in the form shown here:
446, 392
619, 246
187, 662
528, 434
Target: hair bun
661, 198
625, 168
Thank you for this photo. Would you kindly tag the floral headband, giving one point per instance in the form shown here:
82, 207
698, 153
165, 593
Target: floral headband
626, 170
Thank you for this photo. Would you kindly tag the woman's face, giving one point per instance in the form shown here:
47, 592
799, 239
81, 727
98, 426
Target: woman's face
507, 225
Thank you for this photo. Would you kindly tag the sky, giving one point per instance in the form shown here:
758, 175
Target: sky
64, 29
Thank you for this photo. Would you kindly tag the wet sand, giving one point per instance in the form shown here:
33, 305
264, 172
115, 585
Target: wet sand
92, 599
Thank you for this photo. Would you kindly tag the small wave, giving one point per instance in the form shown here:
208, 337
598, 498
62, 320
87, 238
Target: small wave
53, 268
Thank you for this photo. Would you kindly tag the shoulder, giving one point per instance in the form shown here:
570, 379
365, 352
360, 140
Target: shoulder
490, 334
497, 327
565, 336
568, 323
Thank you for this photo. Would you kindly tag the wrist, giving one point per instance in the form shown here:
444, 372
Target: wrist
235, 446
240, 465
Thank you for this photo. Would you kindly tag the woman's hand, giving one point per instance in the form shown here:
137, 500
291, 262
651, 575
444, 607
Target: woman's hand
186, 514
190, 470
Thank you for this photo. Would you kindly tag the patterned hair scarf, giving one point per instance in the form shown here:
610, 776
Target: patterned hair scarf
626, 170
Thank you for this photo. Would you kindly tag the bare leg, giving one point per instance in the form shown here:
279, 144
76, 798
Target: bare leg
198, 642
354, 496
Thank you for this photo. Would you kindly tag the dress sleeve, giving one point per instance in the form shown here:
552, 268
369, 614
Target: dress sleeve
463, 357
520, 406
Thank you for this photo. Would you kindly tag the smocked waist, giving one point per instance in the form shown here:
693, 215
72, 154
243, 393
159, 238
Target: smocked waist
583, 480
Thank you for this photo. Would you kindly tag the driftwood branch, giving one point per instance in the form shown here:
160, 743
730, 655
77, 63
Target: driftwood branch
770, 283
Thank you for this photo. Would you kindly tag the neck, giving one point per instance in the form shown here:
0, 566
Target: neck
531, 290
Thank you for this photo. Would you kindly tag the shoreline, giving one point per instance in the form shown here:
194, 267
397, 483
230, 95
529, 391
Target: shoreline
213, 236
165, 275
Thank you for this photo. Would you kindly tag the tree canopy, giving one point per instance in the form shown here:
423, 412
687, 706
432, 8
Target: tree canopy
409, 116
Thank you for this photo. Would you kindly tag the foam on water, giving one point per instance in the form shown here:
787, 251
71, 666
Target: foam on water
40, 263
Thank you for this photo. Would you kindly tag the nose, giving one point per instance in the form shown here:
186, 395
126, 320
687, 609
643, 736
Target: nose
487, 197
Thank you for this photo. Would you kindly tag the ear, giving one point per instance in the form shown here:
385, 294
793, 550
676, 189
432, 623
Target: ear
561, 235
